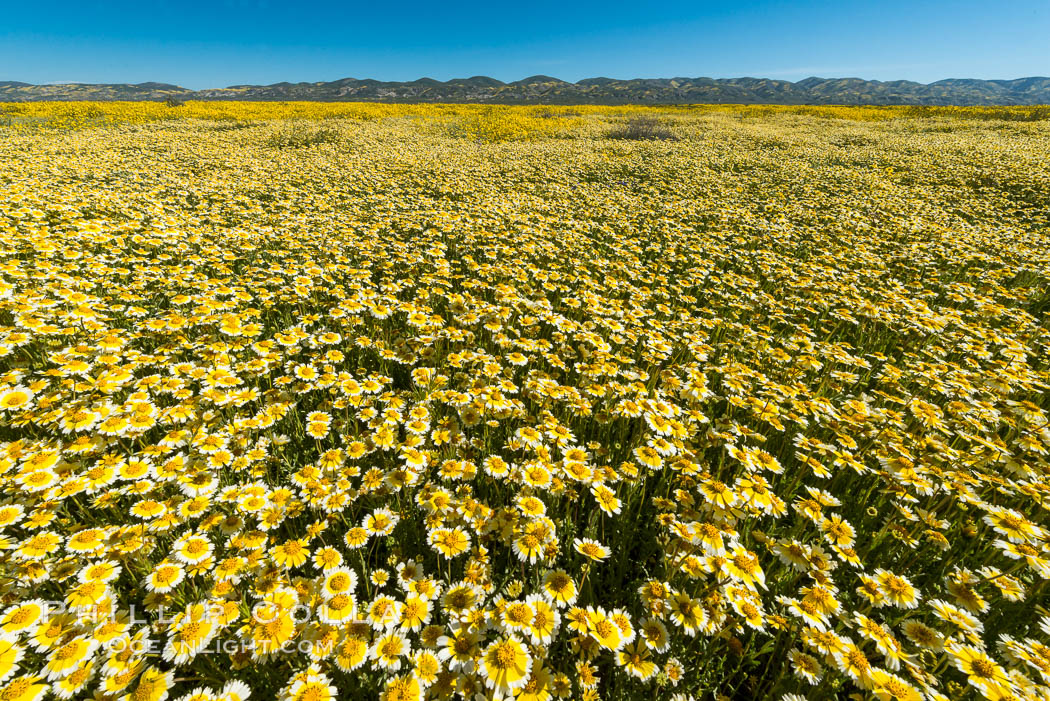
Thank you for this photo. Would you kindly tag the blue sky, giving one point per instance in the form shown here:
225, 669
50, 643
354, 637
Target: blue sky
225, 42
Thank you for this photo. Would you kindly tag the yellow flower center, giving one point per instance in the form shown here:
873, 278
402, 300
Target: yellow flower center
399, 690
190, 631
857, 660
68, 651
21, 616
166, 575
312, 693
17, 689
983, 668
504, 655
519, 613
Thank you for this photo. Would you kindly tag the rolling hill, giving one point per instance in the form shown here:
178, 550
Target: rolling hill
541, 89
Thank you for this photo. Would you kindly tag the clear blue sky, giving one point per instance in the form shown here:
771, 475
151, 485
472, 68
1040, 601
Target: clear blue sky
223, 42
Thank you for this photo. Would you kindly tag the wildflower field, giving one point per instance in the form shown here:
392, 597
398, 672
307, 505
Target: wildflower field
307, 401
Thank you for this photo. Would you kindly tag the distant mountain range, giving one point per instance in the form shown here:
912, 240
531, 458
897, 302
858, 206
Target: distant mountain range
541, 89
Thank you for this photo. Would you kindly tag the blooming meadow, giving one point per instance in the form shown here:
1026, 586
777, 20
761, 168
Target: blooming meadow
307, 401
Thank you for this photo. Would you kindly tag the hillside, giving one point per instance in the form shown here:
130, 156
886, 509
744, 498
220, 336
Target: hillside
547, 90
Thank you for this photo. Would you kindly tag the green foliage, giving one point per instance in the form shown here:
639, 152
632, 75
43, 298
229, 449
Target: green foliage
642, 128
